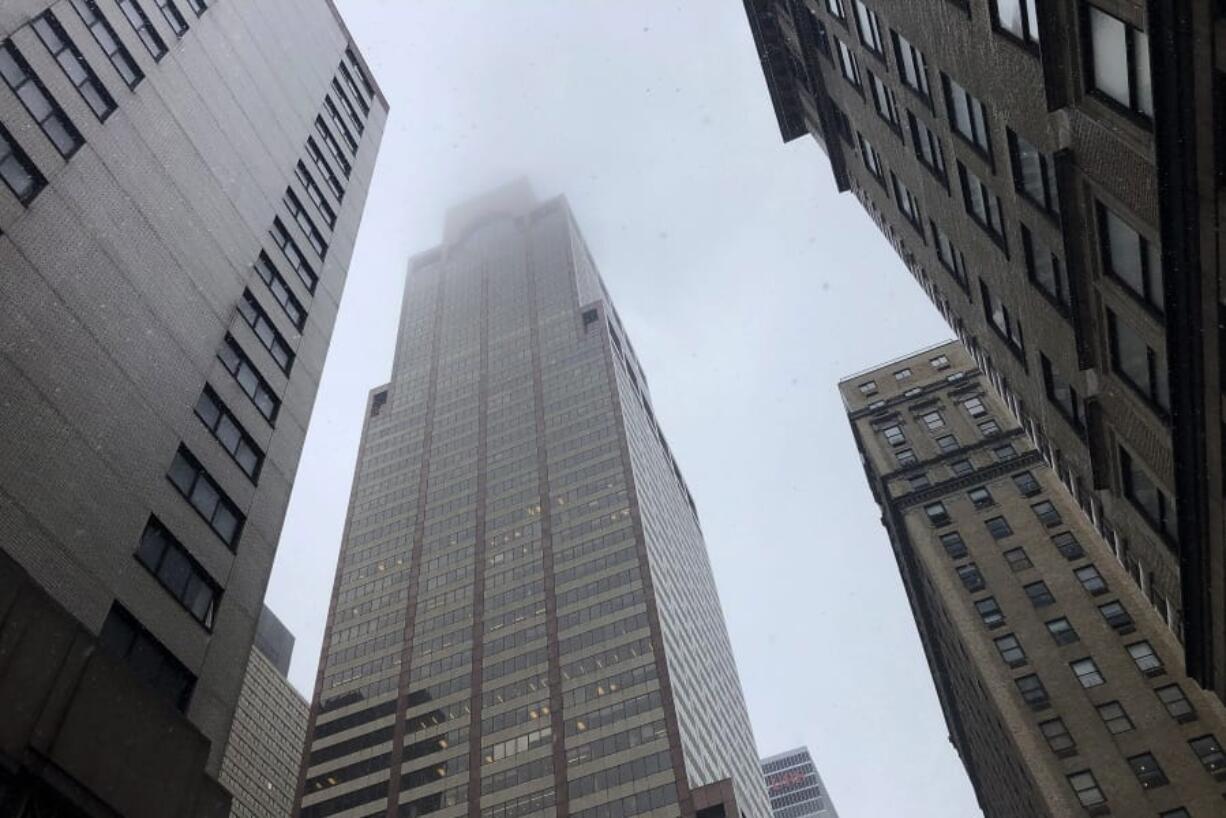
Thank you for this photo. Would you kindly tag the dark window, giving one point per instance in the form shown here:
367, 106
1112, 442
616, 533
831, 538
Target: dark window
1018, 19
953, 544
971, 578
1209, 751
230, 433
352, 85
912, 67
178, 572
988, 428
1040, 595
1147, 770
989, 611
251, 311
325, 170
998, 527
1011, 651
317, 195
78, 71
968, 117
961, 467
918, 481
33, 95
1034, 174
333, 146
937, 514
1003, 321
1058, 737
1066, 543
1091, 580
1046, 511
339, 124
1033, 692
1176, 703
951, 257
1018, 559
1115, 717
174, 18
1117, 616
199, 489
872, 159
1178, 812
1146, 660
870, 29
1085, 786
1153, 502
906, 457
293, 255
1130, 258
143, 28
280, 290
1026, 484
198, 6
294, 205
947, 443
1087, 672
115, 51
1119, 63
124, 638
1045, 270
253, 384
357, 69
1062, 631
18, 172
1003, 452
1062, 394
981, 497
908, 204
347, 104
983, 206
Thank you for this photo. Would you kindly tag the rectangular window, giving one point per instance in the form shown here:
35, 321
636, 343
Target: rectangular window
894, 435
1115, 717
1033, 692
1147, 770
1039, 594
352, 85
903, 374
317, 195
906, 457
918, 481
1018, 559
884, 102
870, 29
1119, 63
1117, 616
1087, 672
204, 495
1153, 503
33, 95
981, 497
912, 66
106, 38
1091, 580
947, 443
1026, 484
1017, 18
1002, 320
78, 71
908, 204
1085, 786
1209, 751
1045, 270
939, 362
347, 104
294, 205
998, 527
972, 580
983, 206
933, 420
872, 159
198, 6
868, 388
18, 172
1133, 359
951, 257
124, 638
280, 290
1066, 543
333, 146
961, 467
928, 148
968, 117
144, 29
293, 255
1062, 631
1146, 660
230, 433
953, 545
1130, 258
1059, 739
1062, 395
937, 514
251, 311
335, 116
1010, 649
989, 611
1034, 174
325, 170
849, 65
1003, 452
1047, 513
178, 572
253, 384
357, 69
989, 427
174, 18
1176, 703
835, 7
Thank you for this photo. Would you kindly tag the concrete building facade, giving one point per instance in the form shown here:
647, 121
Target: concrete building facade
795, 786
524, 619
1063, 689
181, 183
260, 765
1050, 173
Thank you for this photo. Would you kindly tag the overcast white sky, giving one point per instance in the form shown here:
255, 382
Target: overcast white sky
749, 287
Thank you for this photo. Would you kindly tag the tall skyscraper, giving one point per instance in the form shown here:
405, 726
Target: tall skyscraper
1062, 688
1050, 173
524, 619
795, 787
181, 182
260, 765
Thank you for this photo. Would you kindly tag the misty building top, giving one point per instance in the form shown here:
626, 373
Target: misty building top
515, 198
274, 640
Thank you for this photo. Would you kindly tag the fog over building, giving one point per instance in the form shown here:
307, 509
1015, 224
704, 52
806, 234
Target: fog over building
181, 184
1063, 689
524, 618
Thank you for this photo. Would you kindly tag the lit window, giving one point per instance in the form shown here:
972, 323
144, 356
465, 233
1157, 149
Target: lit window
1120, 62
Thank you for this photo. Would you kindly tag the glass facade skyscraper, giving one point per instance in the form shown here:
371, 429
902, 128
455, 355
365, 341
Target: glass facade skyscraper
795, 787
524, 618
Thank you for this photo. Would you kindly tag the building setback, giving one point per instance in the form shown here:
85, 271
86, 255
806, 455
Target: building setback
1049, 172
524, 618
260, 765
181, 182
1062, 688
795, 787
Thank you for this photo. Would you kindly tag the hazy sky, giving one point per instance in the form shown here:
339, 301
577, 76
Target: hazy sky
749, 287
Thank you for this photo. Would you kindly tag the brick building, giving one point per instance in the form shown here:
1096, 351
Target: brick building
181, 183
1050, 171
1062, 688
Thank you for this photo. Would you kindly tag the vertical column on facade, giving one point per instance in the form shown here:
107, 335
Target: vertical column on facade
419, 532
